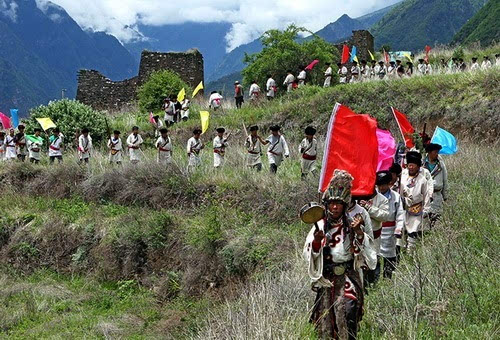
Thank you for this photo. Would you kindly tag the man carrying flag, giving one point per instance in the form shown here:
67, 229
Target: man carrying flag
55, 146
302, 76
35, 143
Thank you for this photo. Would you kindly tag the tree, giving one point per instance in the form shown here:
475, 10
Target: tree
71, 117
160, 85
283, 50
386, 48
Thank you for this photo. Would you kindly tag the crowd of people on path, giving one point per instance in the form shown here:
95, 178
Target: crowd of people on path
360, 239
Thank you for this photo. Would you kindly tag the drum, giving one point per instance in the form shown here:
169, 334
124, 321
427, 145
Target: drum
312, 213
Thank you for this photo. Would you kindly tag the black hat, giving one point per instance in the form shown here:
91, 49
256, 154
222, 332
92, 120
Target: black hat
116, 132
355, 62
373, 61
392, 62
421, 60
163, 130
414, 157
381, 62
398, 61
363, 61
327, 64
135, 128
38, 129
474, 58
85, 130
196, 131
395, 169
486, 57
432, 147
310, 131
20, 127
254, 128
275, 128
339, 64
383, 177
56, 129
220, 130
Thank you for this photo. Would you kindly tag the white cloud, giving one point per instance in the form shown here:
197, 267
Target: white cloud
249, 19
9, 9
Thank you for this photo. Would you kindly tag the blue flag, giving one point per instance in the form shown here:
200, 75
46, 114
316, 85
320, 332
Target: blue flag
446, 140
353, 54
15, 117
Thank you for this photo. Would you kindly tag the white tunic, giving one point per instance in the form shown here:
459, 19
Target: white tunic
270, 87
220, 145
278, 148
2, 149
164, 147
84, 146
475, 66
342, 75
254, 151
302, 78
21, 145
416, 193
421, 68
381, 71
378, 209
394, 227
328, 77
355, 71
115, 149
254, 91
34, 149
134, 144
486, 65
169, 109
55, 147
440, 184
289, 82
215, 100
194, 147
185, 108
308, 150
10, 148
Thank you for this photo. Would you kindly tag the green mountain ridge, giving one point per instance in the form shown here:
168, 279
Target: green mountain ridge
484, 27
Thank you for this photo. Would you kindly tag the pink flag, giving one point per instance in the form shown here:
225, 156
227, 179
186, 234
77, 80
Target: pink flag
151, 118
311, 65
386, 149
5, 121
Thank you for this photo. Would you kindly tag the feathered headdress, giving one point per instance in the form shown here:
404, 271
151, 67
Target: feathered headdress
339, 188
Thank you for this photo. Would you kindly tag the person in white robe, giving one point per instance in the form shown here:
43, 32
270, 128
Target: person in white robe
475, 65
115, 147
308, 148
421, 68
21, 144
157, 124
497, 59
380, 70
2, 146
391, 228
134, 142
392, 70
335, 249
372, 74
486, 64
35, 147
328, 75
254, 144
254, 91
84, 146
220, 144
10, 146
215, 100
437, 168
164, 146
364, 71
355, 71
288, 82
301, 78
416, 191
56, 141
278, 148
270, 87
194, 147
186, 103
169, 108
342, 72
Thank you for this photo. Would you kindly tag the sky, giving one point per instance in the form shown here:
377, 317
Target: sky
249, 18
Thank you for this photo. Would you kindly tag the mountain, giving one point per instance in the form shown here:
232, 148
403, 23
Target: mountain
484, 27
340, 29
41, 50
415, 23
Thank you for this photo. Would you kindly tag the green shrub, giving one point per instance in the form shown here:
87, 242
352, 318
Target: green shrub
160, 85
71, 117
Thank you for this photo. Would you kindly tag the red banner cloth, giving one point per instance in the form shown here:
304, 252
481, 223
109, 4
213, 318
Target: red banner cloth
351, 144
405, 127
345, 54
5, 121
311, 65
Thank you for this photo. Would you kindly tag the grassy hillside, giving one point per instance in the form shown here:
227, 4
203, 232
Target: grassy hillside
148, 252
484, 27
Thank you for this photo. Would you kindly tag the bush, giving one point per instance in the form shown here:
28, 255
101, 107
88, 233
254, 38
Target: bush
71, 117
159, 86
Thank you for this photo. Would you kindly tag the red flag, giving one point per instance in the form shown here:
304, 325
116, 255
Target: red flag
351, 145
405, 127
427, 50
345, 54
152, 119
311, 65
5, 121
386, 57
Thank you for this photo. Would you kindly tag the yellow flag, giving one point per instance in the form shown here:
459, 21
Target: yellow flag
197, 89
205, 118
46, 123
407, 55
356, 59
371, 55
181, 95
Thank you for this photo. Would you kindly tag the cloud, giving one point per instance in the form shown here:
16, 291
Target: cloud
9, 9
249, 19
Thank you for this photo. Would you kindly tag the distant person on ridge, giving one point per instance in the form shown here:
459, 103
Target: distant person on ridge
355, 71
115, 148
328, 75
474, 65
215, 100
400, 69
84, 146
289, 81
497, 59
392, 70
380, 70
254, 91
372, 74
486, 63
409, 69
277, 149
428, 68
270, 87
342, 72
55, 146
308, 148
134, 142
434, 163
421, 67
364, 71
302, 76
238, 94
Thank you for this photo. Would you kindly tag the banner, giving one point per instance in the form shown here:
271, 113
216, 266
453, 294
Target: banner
34, 139
46, 123
386, 149
407, 55
371, 55
197, 89
353, 54
446, 140
6, 124
14, 114
181, 95
311, 65
405, 127
386, 57
205, 118
345, 54
351, 144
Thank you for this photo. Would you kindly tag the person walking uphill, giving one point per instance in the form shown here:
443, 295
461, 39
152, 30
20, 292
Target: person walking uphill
277, 149
238, 94
308, 148
335, 249
253, 145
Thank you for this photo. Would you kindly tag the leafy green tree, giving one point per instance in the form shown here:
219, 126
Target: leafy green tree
71, 117
160, 85
283, 51
386, 48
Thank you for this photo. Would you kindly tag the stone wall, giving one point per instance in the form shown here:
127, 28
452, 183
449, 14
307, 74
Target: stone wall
364, 42
101, 93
